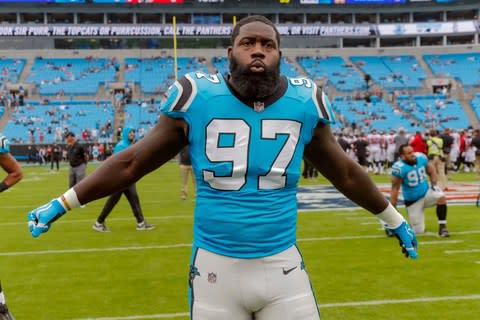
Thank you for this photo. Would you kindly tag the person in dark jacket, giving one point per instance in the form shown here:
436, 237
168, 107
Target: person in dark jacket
77, 158
55, 157
128, 138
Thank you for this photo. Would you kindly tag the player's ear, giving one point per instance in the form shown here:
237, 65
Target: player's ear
280, 53
229, 52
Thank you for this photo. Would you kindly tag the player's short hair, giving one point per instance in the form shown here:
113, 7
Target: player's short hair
402, 148
250, 19
70, 134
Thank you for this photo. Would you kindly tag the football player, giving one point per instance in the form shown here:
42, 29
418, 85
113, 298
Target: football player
411, 173
247, 133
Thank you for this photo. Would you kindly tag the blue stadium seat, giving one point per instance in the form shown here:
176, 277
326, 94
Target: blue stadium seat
392, 72
464, 67
47, 119
155, 75
72, 76
334, 70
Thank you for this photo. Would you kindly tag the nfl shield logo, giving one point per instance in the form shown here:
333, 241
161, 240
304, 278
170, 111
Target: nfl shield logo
212, 277
258, 106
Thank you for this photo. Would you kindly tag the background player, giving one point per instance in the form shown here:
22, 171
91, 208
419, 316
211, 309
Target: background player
247, 135
410, 172
128, 138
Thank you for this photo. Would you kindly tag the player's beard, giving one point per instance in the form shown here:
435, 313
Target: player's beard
254, 85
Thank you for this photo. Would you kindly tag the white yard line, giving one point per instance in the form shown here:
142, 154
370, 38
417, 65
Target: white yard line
461, 251
322, 306
183, 245
399, 301
363, 218
64, 221
440, 242
149, 316
90, 250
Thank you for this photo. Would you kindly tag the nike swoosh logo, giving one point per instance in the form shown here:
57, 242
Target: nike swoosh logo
285, 272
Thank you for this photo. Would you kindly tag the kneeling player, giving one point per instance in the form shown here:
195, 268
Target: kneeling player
410, 172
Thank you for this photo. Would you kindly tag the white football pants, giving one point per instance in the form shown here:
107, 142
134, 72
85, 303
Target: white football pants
270, 288
416, 211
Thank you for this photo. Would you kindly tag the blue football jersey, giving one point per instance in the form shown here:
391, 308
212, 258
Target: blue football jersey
4, 145
414, 177
246, 162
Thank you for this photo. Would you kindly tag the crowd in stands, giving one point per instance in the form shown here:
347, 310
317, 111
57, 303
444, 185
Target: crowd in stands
72, 76
48, 121
385, 101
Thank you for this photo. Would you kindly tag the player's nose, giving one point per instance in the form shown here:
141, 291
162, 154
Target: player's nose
258, 50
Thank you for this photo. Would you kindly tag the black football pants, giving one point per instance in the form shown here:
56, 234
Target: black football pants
132, 197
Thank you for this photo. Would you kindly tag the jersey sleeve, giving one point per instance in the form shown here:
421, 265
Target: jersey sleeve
179, 97
397, 170
322, 105
4, 144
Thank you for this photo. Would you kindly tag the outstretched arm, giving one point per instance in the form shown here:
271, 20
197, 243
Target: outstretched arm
118, 172
14, 172
352, 180
344, 173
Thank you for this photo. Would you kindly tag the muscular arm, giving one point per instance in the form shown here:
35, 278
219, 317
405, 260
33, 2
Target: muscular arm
396, 183
161, 144
11, 166
345, 174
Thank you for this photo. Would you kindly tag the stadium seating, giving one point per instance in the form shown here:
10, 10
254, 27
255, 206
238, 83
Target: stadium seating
435, 111
71, 76
155, 75
10, 69
392, 72
464, 67
475, 104
83, 76
377, 114
142, 116
46, 119
334, 70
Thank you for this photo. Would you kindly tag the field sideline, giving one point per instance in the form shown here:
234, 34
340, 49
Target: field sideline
73, 272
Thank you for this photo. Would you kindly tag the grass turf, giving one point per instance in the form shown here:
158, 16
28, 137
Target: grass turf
73, 272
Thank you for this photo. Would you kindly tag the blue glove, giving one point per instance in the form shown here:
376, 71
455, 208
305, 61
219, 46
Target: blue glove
408, 240
40, 219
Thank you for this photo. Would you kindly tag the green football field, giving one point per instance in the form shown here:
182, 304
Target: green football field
73, 272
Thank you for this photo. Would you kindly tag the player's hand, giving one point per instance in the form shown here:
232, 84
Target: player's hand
41, 218
408, 240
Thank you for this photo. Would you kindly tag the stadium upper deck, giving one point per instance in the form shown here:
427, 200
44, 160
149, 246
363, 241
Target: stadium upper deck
406, 23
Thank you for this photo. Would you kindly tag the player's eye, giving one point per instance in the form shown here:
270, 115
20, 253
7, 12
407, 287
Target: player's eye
269, 45
246, 43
